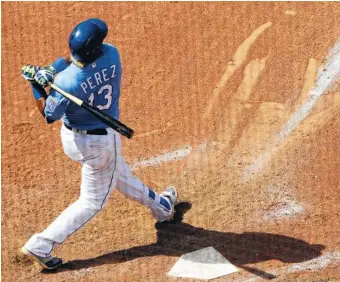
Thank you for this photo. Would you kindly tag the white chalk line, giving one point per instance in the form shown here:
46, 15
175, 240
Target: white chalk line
163, 158
317, 264
327, 75
287, 208
284, 204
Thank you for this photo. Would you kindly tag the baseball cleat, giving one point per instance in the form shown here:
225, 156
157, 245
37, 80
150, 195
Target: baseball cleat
170, 193
41, 262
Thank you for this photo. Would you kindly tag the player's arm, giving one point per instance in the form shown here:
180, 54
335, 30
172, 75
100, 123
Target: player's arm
45, 75
51, 108
55, 106
40, 96
28, 72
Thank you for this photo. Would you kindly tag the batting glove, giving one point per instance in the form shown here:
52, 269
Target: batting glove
28, 72
45, 76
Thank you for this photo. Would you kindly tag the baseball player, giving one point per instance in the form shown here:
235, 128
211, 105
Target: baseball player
93, 74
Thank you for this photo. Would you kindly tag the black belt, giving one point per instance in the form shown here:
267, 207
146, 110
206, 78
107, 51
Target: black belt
97, 131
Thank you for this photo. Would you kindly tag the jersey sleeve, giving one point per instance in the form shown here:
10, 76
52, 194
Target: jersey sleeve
60, 64
56, 105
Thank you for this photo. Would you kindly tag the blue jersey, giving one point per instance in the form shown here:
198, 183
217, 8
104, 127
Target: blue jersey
97, 83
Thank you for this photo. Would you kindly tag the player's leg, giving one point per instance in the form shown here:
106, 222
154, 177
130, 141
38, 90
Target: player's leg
161, 206
98, 156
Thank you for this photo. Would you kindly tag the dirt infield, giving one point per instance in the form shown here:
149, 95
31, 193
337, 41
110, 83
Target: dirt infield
222, 101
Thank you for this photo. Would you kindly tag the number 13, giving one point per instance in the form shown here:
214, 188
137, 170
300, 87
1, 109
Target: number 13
108, 97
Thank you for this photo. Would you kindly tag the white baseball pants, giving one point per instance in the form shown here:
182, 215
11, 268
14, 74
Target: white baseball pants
103, 168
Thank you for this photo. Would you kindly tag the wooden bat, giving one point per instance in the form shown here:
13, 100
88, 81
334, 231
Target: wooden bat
111, 122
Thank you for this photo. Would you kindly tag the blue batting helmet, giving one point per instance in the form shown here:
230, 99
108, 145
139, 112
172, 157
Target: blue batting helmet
86, 40
101, 24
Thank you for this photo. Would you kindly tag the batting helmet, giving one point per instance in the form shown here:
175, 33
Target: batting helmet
86, 40
101, 24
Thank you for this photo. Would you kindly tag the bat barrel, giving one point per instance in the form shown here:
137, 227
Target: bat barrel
113, 123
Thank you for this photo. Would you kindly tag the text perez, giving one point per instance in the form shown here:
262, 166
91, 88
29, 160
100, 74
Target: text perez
98, 78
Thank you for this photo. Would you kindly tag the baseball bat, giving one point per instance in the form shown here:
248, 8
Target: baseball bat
111, 122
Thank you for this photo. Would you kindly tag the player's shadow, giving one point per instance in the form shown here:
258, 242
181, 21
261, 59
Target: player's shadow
178, 238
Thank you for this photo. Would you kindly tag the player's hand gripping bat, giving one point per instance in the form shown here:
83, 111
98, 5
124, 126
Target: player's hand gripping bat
111, 122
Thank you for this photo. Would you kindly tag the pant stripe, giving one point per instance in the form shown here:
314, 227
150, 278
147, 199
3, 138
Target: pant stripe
152, 194
108, 191
165, 204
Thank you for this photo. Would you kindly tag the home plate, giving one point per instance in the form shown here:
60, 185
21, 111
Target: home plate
206, 263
